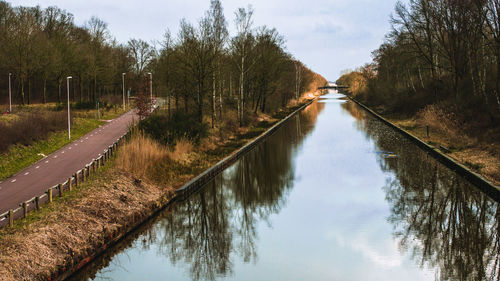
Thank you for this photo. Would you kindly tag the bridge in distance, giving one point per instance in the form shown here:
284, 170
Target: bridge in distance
333, 86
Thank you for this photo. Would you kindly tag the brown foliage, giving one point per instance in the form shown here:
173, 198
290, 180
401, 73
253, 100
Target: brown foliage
142, 154
30, 127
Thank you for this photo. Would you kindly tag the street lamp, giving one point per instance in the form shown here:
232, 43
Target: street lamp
69, 123
123, 89
151, 86
128, 97
10, 95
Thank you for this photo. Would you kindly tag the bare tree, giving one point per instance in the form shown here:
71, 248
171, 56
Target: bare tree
241, 45
141, 54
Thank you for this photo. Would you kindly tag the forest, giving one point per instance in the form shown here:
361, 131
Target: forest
203, 70
441, 56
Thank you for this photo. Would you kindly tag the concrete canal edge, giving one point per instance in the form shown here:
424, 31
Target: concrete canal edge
76, 263
196, 183
476, 179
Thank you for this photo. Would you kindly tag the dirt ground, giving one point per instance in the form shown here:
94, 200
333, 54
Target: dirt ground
478, 155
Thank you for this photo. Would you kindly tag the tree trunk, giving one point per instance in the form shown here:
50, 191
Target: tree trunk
29, 91
168, 104
59, 90
22, 91
263, 108
200, 104
44, 90
213, 100
220, 98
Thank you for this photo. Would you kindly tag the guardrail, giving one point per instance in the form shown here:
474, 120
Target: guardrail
79, 177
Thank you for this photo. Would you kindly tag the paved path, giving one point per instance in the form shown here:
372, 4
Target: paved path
61, 164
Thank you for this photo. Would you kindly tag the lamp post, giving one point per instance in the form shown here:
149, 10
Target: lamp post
128, 98
69, 123
123, 89
151, 87
10, 95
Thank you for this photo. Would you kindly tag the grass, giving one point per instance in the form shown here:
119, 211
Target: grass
477, 154
142, 153
474, 166
20, 156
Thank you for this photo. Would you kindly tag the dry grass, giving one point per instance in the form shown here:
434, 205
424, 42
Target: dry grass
181, 150
479, 156
30, 127
143, 153
480, 160
73, 226
444, 122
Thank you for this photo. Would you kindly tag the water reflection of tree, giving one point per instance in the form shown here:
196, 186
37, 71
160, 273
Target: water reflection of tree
223, 217
443, 220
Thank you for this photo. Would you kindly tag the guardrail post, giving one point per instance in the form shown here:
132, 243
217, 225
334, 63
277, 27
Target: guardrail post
70, 184
11, 218
50, 194
90, 170
76, 178
83, 175
60, 187
25, 209
37, 203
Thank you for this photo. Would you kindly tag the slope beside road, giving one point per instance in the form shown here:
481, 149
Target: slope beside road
58, 166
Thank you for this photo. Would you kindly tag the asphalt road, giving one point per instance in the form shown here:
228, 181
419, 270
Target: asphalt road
62, 164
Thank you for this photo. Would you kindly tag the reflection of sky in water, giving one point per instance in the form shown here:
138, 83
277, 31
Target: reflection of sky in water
335, 219
333, 225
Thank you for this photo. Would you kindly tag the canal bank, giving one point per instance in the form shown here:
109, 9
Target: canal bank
178, 195
476, 179
331, 191
146, 199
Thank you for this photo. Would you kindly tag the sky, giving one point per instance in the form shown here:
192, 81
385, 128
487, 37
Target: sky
329, 36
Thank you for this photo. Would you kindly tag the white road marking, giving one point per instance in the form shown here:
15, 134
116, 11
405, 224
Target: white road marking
69, 147
27, 173
62, 152
14, 180
76, 144
37, 167
87, 138
92, 135
55, 156
47, 161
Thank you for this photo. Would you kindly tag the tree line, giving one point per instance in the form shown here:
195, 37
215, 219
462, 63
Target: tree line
202, 69
439, 51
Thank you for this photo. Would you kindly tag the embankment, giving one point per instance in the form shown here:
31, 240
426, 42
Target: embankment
439, 153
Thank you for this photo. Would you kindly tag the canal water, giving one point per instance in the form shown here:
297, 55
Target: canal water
334, 194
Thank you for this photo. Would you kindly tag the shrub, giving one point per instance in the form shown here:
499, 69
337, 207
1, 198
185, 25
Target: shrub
30, 127
168, 131
139, 155
84, 105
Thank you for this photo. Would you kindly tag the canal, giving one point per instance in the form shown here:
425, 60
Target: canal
334, 194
